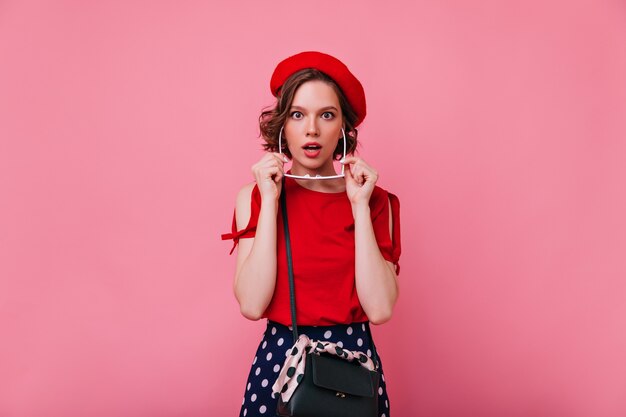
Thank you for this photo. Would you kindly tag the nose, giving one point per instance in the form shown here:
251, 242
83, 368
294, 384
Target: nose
311, 127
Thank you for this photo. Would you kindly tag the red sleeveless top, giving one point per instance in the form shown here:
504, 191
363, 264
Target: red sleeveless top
321, 228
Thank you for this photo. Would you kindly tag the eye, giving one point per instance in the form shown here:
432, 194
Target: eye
327, 115
296, 115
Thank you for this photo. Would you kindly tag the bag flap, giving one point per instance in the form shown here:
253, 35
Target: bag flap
340, 375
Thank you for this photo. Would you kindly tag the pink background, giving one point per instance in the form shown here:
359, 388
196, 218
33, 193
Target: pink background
127, 128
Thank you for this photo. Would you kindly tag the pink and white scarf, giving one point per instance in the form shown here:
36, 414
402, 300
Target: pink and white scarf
292, 371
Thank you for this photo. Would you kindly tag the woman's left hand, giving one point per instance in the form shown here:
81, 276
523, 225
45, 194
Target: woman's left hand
360, 180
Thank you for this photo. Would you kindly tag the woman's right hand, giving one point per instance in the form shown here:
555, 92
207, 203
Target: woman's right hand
268, 173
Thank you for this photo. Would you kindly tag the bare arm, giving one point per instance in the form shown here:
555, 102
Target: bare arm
376, 280
255, 273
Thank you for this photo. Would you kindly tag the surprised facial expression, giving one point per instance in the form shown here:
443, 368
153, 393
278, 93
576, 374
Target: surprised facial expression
313, 126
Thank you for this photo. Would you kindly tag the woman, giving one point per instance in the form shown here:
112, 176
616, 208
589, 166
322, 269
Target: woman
345, 232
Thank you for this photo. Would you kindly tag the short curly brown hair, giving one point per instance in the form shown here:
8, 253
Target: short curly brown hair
270, 121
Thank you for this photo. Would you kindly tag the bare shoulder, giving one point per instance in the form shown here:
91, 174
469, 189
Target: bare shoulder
242, 205
245, 192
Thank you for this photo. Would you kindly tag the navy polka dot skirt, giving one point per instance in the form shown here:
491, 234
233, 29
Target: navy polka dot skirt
274, 348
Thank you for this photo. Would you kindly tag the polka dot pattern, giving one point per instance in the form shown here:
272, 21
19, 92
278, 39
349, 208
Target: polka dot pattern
276, 346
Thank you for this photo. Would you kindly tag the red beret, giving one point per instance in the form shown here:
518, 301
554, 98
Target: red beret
330, 66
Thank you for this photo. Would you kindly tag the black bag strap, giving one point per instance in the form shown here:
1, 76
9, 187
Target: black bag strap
292, 289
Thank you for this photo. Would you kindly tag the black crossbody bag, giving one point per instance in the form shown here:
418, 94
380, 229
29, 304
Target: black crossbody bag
331, 387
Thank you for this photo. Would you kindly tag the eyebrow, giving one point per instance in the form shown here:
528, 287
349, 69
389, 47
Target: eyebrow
323, 108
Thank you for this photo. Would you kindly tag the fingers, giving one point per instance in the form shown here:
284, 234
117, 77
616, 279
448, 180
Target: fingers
275, 174
272, 159
270, 166
359, 171
280, 160
349, 160
358, 174
280, 156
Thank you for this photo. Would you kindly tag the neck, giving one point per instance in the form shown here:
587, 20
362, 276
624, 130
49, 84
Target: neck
334, 185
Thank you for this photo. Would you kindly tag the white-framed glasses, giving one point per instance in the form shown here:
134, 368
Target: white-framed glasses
317, 177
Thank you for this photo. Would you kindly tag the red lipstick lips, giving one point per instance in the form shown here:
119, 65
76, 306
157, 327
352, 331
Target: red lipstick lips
312, 149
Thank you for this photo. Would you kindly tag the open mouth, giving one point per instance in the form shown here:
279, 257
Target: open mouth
312, 149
